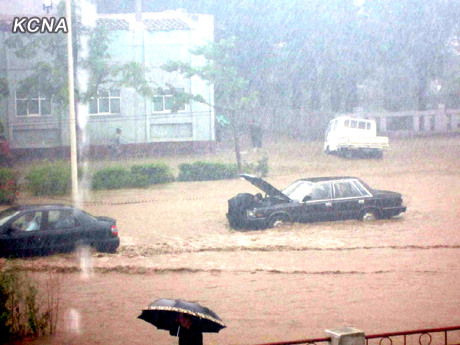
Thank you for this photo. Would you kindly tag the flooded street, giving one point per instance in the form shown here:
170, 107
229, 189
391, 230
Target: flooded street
278, 284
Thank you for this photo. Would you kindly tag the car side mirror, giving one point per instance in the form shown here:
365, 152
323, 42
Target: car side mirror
306, 198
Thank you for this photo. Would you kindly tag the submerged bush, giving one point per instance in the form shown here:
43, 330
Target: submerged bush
206, 171
155, 172
23, 311
49, 179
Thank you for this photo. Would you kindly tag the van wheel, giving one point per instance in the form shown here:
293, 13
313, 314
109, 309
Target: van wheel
348, 154
379, 154
369, 215
278, 220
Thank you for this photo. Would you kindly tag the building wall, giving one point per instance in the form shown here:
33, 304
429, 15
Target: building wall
139, 122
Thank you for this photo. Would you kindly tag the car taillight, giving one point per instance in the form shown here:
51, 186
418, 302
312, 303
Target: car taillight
114, 230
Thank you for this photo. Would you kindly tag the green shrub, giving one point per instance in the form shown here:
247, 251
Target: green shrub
112, 178
138, 181
50, 179
118, 178
207, 171
22, 310
8, 186
259, 169
155, 172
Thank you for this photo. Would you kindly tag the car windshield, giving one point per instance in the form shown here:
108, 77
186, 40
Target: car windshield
6, 215
298, 190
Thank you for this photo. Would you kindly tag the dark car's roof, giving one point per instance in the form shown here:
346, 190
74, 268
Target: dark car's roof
41, 207
327, 178
269, 189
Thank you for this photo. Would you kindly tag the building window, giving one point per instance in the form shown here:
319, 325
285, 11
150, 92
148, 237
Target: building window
106, 102
32, 105
165, 103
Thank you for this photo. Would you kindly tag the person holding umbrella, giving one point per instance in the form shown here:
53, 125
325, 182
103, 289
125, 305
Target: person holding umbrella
186, 320
187, 333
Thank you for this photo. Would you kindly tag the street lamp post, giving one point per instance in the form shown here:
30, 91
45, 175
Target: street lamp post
72, 122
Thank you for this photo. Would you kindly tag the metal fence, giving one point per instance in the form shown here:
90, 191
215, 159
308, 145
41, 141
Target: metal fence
433, 336
305, 341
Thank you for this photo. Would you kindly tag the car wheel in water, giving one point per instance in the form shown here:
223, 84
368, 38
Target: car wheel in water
277, 221
369, 215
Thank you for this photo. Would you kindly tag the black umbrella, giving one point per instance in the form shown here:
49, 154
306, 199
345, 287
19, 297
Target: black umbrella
163, 314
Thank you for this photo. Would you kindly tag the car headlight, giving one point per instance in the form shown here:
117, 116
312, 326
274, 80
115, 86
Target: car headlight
251, 213
254, 214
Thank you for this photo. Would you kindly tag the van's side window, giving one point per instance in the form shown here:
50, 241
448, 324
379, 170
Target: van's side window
368, 125
347, 123
354, 124
362, 125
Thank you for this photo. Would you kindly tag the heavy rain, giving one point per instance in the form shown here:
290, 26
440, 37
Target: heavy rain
199, 151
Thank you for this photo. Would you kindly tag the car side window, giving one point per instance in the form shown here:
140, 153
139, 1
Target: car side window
346, 190
321, 191
29, 221
60, 219
361, 188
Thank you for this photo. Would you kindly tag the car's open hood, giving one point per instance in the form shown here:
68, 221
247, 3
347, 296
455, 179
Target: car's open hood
265, 186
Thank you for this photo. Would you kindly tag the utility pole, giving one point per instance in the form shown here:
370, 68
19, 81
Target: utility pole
72, 122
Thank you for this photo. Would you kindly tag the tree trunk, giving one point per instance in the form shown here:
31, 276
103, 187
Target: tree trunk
336, 99
352, 96
236, 138
422, 82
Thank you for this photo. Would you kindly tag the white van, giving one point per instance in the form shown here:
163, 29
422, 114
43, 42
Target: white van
347, 135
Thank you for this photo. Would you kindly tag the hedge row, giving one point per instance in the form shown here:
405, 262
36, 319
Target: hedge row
206, 171
139, 176
54, 178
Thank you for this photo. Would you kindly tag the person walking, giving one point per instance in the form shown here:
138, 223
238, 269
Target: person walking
255, 131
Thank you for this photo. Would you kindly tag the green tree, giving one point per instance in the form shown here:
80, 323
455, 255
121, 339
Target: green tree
50, 75
4, 93
235, 100
4, 88
411, 42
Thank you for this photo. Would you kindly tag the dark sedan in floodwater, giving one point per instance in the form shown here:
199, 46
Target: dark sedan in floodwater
311, 199
44, 229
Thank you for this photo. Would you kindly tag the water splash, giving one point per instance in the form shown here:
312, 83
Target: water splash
86, 262
73, 321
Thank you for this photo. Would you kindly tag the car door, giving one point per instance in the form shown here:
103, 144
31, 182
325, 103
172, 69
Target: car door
318, 207
22, 238
64, 229
348, 200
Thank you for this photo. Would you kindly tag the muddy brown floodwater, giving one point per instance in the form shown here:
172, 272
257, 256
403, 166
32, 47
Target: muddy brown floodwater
273, 285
